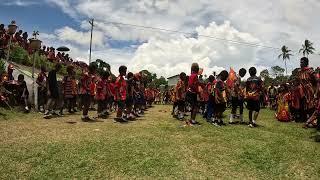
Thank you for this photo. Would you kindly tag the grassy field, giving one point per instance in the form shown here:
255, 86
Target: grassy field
156, 146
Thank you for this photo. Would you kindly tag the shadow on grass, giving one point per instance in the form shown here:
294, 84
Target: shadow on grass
4, 116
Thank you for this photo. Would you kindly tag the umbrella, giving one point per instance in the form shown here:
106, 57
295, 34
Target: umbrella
63, 49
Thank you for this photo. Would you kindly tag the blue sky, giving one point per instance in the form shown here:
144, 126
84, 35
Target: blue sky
269, 23
42, 16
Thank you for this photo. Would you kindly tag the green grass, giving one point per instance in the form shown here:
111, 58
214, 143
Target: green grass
154, 147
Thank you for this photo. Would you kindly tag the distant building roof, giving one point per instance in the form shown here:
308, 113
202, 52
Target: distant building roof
173, 76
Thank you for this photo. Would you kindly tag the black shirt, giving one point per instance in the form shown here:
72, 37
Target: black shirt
254, 84
52, 81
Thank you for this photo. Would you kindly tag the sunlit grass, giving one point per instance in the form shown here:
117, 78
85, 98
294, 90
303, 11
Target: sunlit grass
156, 146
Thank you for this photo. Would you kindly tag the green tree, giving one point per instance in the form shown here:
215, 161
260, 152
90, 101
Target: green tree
148, 76
160, 81
102, 66
277, 71
264, 73
285, 55
307, 48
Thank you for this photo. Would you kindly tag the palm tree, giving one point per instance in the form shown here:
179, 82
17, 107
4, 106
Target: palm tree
285, 55
307, 48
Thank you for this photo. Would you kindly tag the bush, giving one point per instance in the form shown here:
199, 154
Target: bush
2, 66
19, 55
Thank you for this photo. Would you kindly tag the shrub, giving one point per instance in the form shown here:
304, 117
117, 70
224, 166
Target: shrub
2, 66
19, 55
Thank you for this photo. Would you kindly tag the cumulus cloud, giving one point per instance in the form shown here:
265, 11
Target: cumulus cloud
79, 37
171, 56
273, 23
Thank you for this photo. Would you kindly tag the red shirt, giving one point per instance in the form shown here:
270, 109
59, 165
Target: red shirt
193, 83
85, 84
120, 88
92, 89
101, 89
180, 90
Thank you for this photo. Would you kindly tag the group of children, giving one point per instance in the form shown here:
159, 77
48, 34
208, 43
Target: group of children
126, 93
190, 93
296, 100
299, 99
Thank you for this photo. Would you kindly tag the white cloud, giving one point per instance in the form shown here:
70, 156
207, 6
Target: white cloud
171, 56
273, 23
79, 37
19, 3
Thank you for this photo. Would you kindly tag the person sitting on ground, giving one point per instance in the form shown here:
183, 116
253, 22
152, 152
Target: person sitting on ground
121, 93
23, 92
283, 112
220, 98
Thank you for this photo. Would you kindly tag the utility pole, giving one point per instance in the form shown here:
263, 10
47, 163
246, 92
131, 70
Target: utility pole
91, 23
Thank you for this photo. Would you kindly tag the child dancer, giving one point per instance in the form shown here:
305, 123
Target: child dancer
253, 91
68, 88
181, 95
42, 89
192, 93
220, 98
237, 97
101, 95
129, 99
23, 92
121, 93
283, 112
85, 81
210, 104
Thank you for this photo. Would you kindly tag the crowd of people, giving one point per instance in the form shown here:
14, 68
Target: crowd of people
295, 100
129, 95
20, 38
